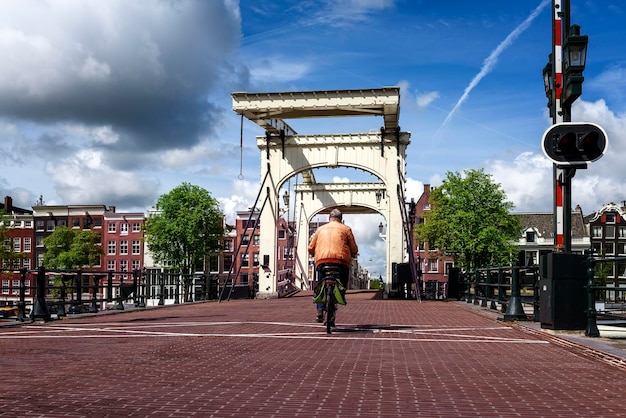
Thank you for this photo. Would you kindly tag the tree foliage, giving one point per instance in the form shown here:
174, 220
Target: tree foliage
67, 248
470, 221
187, 226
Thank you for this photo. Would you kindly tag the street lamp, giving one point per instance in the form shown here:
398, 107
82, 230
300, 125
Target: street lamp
381, 227
379, 196
286, 198
574, 59
548, 84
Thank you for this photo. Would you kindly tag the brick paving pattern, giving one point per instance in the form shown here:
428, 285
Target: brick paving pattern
268, 358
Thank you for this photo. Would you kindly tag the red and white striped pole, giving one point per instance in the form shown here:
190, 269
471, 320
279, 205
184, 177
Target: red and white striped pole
558, 173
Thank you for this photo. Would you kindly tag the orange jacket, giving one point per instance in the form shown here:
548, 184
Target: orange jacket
333, 243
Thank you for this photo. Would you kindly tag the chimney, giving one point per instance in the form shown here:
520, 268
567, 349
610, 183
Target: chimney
8, 204
426, 188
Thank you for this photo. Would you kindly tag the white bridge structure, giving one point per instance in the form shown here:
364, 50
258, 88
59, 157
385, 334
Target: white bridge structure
285, 154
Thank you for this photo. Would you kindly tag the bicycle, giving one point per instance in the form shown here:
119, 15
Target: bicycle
332, 286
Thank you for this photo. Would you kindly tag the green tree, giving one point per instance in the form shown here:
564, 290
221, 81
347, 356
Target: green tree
186, 227
470, 221
67, 248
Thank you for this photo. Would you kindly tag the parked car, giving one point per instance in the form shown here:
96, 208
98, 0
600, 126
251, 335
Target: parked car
8, 311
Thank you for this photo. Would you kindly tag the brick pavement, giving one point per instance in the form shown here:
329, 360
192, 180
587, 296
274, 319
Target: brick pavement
268, 358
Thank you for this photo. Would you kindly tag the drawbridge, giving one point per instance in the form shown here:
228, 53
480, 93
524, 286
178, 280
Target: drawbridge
286, 154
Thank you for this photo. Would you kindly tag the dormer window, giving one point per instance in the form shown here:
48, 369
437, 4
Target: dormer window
530, 236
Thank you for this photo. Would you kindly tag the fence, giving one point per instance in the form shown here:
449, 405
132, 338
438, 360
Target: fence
43, 293
506, 288
606, 304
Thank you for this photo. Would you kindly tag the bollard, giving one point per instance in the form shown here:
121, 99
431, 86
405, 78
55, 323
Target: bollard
515, 310
40, 310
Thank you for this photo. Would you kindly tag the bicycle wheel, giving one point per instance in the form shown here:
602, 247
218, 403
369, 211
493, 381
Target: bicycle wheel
330, 308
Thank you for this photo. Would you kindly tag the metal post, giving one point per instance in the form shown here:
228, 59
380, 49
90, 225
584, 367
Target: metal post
515, 310
557, 117
40, 310
592, 327
21, 305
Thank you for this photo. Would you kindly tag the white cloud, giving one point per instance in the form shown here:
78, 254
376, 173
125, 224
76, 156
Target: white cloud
424, 99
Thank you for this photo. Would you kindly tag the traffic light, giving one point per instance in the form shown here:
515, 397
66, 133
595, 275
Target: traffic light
571, 143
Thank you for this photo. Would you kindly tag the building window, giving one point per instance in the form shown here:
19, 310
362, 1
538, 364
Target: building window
97, 223
255, 260
609, 248
214, 263
123, 228
621, 269
61, 222
281, 234
50, 225
622, 232
609, 231
243, 278
249, 224
228, 262
245, 239
28, 224
123, 247
86, 223
39, 241
39, 225
27, 244
228, 245
5, 287
124, 266
7, 244
111, 265
433, 265
136, 247
530, 236
112, 227
16, 287
111, 248
136, 227
610, 218
621, 248
135, 264
256, 240
17, 244
596, 232
26, 263
75, 223
245, 261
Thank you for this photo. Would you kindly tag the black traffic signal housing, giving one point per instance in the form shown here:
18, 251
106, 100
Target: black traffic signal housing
572, 143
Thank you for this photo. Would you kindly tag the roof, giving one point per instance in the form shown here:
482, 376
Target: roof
543, 223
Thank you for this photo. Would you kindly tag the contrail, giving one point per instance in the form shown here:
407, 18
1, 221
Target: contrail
492, 59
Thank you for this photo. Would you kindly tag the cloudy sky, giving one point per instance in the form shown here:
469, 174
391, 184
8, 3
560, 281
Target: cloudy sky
116, 102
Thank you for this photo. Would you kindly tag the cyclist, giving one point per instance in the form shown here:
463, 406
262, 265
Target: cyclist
333, 244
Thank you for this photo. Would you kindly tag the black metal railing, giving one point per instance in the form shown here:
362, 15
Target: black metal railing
507, 288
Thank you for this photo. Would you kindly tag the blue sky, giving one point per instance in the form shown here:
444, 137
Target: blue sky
116, 102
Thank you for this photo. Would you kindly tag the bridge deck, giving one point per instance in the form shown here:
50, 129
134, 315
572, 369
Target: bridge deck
268, 358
